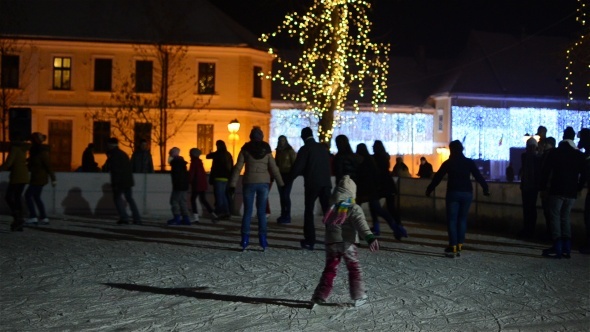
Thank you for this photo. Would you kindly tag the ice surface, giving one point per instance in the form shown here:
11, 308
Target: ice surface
86, 274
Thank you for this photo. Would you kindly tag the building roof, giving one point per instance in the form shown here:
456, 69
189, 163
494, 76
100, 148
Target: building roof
181, 22
510, 66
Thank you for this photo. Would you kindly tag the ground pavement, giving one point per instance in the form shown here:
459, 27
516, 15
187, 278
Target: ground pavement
85, 274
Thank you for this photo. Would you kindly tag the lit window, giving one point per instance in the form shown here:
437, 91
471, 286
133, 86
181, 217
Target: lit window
62, 73
206, 81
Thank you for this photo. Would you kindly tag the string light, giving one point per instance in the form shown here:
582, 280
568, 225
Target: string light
572, 55
489, 133
337, 58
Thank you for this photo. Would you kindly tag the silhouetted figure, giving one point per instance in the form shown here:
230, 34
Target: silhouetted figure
122, 182
141, 159
425, 170
41, 172
285, 158
510, 173
16, 163
400, 169
88, 163
529, 188
221, 168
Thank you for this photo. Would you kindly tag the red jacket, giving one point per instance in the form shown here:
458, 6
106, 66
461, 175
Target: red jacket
197, 175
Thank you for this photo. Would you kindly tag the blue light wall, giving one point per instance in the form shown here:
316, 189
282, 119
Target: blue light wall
489, 133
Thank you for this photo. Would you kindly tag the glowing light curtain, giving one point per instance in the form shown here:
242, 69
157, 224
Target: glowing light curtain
489, 133
401, 133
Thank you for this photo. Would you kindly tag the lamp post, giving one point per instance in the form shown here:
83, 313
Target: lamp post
233, 127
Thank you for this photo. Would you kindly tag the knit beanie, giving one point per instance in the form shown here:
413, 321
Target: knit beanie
256, 134
194, 153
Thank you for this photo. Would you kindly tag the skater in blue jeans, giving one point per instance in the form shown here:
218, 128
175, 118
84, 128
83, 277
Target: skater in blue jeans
459, 194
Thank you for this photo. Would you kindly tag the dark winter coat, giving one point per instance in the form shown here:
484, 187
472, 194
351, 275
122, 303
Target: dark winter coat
88, 163
39, 165
530, 172
285, 158
564, 166
368, 184
179, 174
313, 162
197, 176
425, 170
459, 168
221, 166
119, 166
16, 163
142, 162
346, 164
388, 186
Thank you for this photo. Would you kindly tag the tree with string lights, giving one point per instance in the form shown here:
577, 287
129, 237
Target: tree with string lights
578, 56
337, 64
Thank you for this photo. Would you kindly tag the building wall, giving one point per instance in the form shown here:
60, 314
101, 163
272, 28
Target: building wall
233, 98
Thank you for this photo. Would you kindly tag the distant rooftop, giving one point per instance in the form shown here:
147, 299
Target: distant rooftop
182, 22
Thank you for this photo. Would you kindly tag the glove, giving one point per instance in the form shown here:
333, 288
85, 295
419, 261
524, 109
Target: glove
428, 192
231, 190
53, 183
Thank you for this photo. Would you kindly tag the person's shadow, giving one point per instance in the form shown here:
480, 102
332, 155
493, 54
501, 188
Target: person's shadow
74, 204
199, 293
105, 205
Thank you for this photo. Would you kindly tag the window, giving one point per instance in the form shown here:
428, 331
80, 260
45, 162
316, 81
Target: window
9, 71
143, 76
62, 73
205, 138
257, 93
103, 77
101, 132
206, 82
142, 131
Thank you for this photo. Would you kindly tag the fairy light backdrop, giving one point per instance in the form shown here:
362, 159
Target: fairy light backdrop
489, 133
401, 133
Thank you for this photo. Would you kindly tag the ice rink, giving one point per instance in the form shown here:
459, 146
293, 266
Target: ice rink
84, 274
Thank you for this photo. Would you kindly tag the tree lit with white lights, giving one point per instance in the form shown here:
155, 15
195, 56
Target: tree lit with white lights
578, 55
337, 64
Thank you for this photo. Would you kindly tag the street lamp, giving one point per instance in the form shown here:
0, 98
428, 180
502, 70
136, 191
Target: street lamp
233, 126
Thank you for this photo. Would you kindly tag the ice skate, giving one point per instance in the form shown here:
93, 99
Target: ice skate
361, 301
451, 251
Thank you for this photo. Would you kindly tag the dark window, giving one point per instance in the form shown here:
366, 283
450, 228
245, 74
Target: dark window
103, 74
205, 138
62, 73
101, 132
206, 80
9, 71
142, 131
143, 76
257, 93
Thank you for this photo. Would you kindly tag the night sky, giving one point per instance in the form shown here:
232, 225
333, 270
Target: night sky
441, 27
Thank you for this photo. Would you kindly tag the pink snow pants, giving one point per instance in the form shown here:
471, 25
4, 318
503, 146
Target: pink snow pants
334, 254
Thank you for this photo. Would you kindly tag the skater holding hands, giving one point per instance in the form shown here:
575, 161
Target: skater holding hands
344, 221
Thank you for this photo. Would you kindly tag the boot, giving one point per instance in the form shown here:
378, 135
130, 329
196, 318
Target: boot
174, 221
399, 231
375, 229
459, 248
566, 245
555, 251
263, 242
186, 220
195, 217
245, 241
451, 251
17, 223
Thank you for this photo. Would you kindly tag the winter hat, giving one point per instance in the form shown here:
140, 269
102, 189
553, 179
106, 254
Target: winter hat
532, 142
569, 133
174, 151
256, 134
194, 152
347, 184
38, 138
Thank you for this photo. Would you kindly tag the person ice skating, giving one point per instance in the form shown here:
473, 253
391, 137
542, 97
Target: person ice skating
41, 172
459, 194
425, 170
198, 183
388, 189
369, 187
16, 163
529, 188
221, 168
285, 158
584, 143
180, 185
141, 159
88, 163
562, 171
345, 162
122, 182
344, 222
256, 156
313, 162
